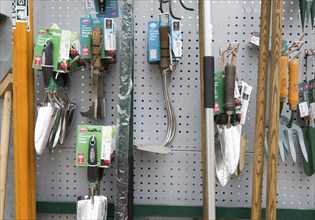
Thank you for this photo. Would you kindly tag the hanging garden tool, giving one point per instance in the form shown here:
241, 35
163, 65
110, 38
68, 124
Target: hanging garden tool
293, 98
283, 143
167, 67
309, 129
92, 206
170, 7
97, 109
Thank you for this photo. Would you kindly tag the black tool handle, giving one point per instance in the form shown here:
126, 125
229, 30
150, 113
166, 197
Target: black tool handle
229, 86
208, 71
92, 170
102, 5
48, 62
164, 47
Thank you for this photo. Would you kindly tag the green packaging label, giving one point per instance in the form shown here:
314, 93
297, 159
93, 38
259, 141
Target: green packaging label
105, 139
43, 35
86, 28
218, 93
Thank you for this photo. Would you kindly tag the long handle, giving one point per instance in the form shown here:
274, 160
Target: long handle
273, 132
293, 97
261, 109
4, 147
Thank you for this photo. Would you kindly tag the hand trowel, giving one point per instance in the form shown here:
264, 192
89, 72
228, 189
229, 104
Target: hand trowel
92, 206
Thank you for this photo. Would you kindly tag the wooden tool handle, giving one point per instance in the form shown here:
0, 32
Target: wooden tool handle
164, 47
96, 43
229, 86
284, 78
293, 98
4, 147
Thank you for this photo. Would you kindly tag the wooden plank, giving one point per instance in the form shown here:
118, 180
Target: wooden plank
21, 123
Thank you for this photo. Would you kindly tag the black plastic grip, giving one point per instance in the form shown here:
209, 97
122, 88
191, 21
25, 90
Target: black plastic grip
208, 72
102, 5
92, 169
48, 62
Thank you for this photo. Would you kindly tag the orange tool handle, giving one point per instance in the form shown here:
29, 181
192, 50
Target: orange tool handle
284, 77
294, 67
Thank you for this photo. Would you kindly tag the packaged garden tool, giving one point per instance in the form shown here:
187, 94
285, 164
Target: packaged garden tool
108, 32
306, 97
283, 141
154, 55
167, 66
92, 206
293, 99
102, 8
55, 115
105, 144
97, 109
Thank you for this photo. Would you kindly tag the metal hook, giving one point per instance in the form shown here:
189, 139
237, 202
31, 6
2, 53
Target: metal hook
91, 19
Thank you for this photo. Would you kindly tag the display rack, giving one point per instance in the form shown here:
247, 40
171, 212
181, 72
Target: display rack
174, 179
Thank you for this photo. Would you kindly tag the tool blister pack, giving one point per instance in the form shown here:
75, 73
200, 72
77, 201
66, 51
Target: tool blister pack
106, 144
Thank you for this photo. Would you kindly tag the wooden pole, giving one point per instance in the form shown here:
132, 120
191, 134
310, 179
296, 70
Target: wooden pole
6, 92
274, 104
261, 109
22, 172
31, 111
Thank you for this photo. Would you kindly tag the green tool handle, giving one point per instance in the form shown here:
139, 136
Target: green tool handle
229, 86
96, 44
164, 47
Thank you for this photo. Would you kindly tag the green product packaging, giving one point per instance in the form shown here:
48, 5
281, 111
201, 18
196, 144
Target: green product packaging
64, 51
44, 34
105, 139
86, 28
304, 99
218, 92
312, 97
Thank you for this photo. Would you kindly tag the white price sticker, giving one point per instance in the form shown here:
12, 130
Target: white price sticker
304, 111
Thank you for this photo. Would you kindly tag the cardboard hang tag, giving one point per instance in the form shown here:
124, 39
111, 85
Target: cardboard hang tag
304, 103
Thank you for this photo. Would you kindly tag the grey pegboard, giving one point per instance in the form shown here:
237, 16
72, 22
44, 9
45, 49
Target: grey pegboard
57, 177
174, 179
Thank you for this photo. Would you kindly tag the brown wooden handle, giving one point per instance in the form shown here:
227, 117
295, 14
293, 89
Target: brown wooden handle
164, 47
96, 43
274, 104
293, 97
4, 147
261, 109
